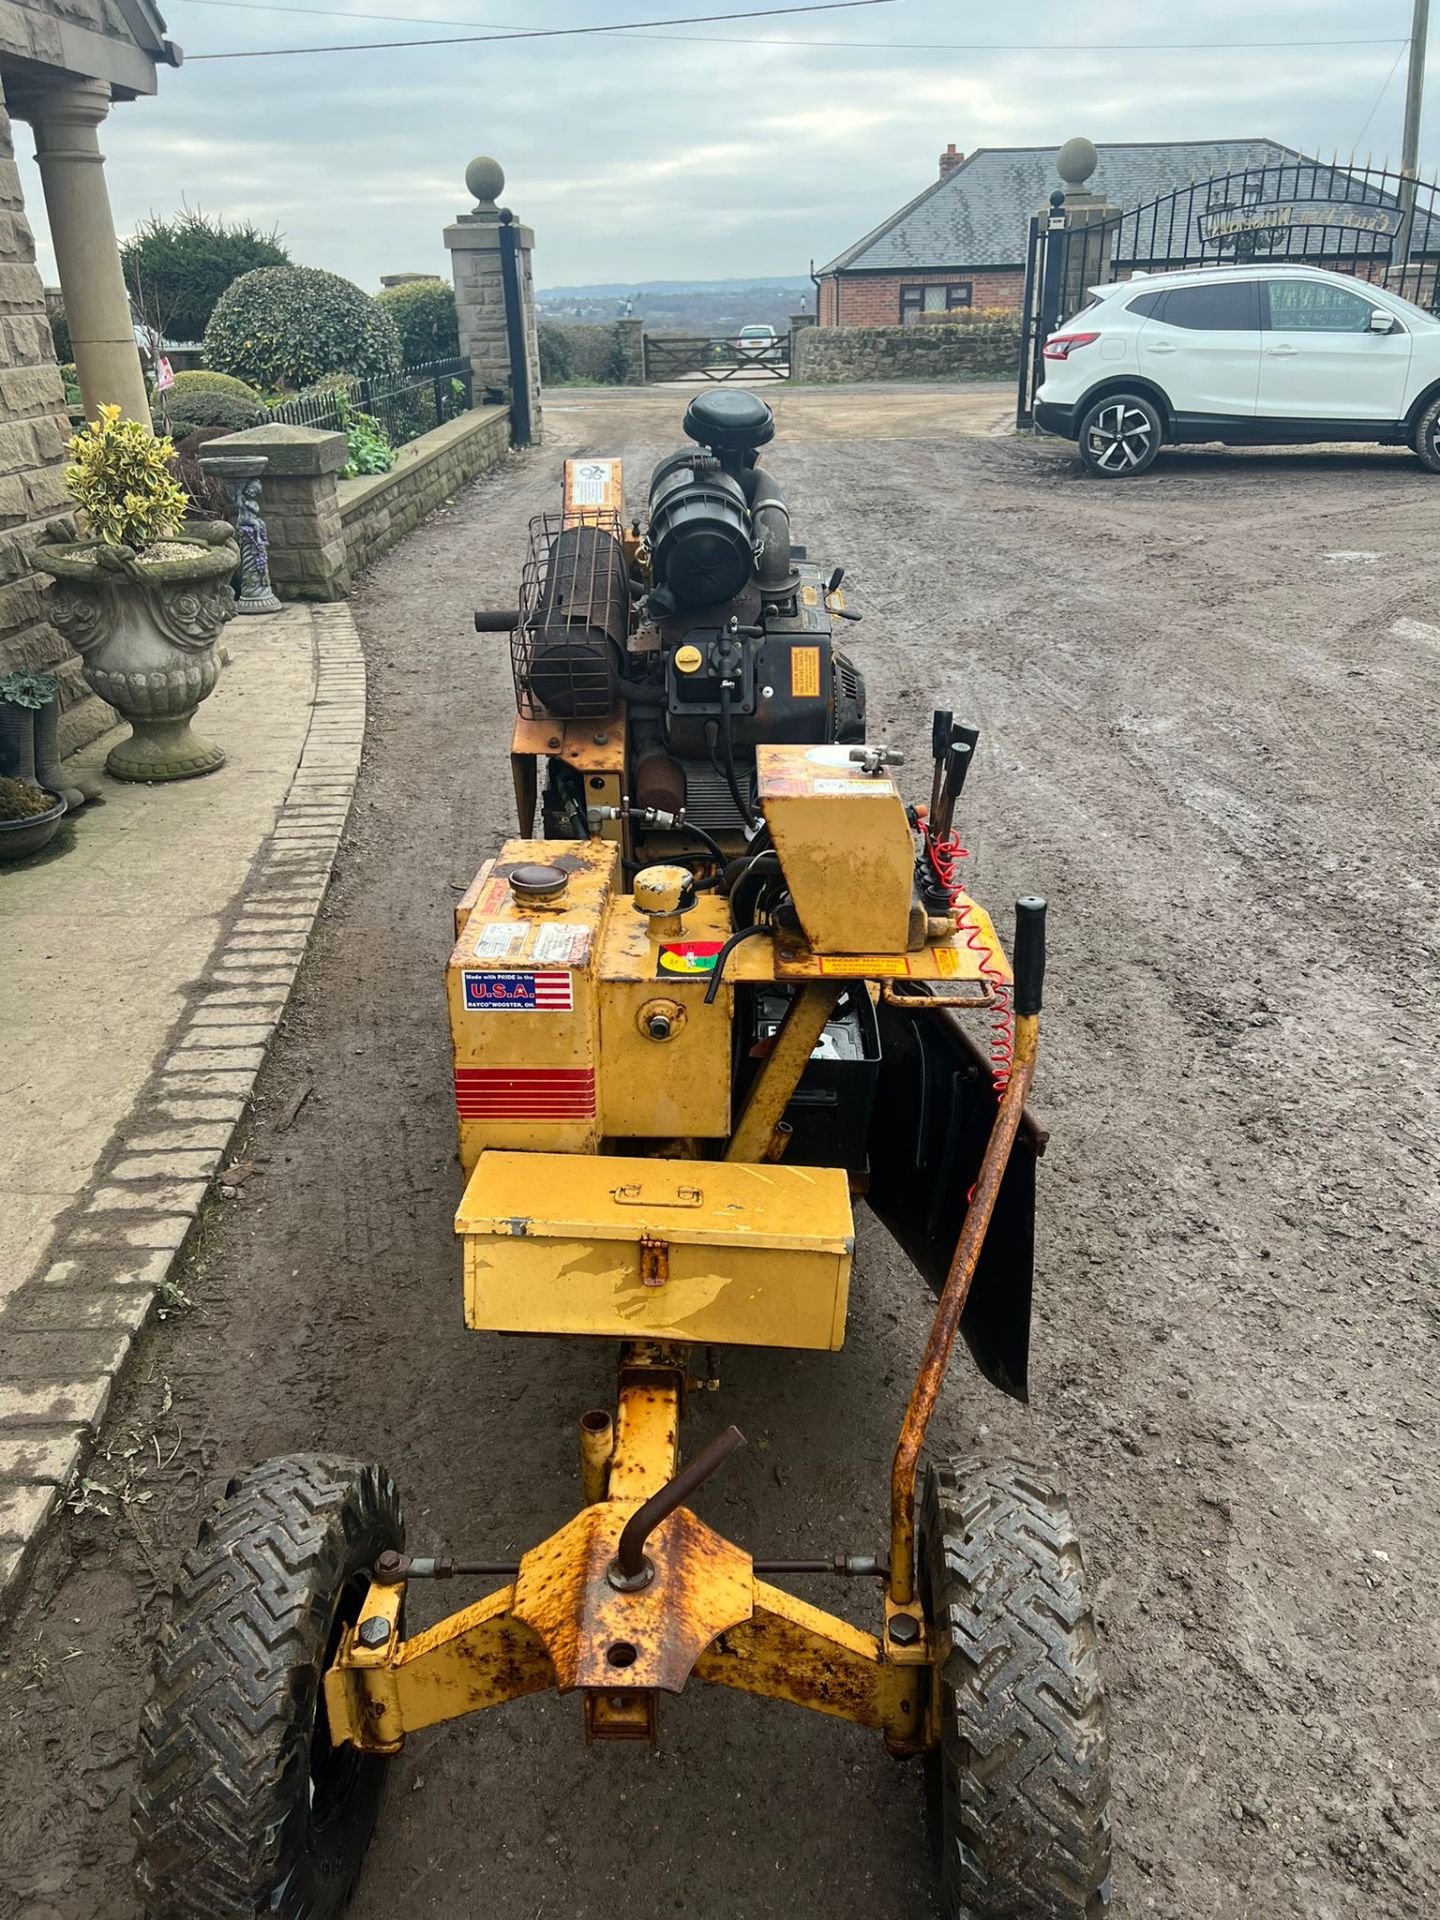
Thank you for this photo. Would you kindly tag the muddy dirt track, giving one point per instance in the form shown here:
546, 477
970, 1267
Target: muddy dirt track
1208, 703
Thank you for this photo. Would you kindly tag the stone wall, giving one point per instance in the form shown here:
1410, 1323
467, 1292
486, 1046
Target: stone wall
981, 350
33, 430
377, 509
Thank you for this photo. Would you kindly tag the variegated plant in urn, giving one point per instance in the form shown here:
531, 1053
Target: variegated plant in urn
141, 602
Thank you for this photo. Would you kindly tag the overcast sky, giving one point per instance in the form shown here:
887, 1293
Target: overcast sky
745, 148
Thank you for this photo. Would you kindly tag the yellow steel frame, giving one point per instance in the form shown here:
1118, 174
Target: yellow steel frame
558, 1625
565, 1624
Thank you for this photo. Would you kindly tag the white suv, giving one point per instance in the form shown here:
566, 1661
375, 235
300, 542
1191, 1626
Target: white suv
1262, 356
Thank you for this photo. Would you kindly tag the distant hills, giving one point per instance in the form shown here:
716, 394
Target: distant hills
617, 289
704, 306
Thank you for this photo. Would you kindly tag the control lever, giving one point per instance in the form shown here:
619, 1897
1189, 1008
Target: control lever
630, 1570
873, 759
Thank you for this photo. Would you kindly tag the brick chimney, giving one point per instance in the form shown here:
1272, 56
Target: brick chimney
949, 161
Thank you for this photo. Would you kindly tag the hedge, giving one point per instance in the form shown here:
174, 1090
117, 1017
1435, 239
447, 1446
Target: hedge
425, 318
284, 328
579, 353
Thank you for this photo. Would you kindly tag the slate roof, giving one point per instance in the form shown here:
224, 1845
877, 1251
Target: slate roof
979, 215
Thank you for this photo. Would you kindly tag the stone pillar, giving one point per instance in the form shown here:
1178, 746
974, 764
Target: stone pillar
474, 244
630, 334
302, 506
33, 430
1089, 222
82, 231
799, 321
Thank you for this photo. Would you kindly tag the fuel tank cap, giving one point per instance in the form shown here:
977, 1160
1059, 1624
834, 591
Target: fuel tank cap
536, 883
664, 890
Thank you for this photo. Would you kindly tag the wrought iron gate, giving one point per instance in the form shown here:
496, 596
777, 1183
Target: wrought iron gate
1373, 222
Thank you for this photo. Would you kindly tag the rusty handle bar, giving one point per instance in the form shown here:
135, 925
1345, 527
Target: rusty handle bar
933, 1001
1029, 977
630, 1569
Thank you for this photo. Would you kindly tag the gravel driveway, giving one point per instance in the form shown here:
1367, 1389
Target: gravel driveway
1208, 703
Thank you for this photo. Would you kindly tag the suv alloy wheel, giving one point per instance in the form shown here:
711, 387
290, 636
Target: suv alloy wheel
1119, 436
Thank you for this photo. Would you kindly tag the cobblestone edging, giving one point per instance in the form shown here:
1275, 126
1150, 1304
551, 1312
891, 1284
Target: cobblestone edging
65, 1334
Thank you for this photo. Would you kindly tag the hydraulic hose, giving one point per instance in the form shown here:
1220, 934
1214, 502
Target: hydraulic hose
724, 954
712, 845
727, 756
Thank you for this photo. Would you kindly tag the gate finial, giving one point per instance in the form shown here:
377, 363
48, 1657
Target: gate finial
485, 178
1075, 163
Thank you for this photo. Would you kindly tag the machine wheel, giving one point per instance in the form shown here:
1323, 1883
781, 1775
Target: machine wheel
1120, 436
1427, 436
243, 1805
1020, 1784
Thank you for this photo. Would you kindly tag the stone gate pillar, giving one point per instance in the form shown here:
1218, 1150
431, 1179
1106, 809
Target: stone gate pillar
474, 243
630, 335
1090, 221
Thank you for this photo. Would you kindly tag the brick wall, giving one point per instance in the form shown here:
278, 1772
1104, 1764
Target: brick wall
987, 350
873, 299
33, 431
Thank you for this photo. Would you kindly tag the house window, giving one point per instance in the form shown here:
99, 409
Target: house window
917, 302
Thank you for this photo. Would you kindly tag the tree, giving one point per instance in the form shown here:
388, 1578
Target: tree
177, 269
287, 327
424, 313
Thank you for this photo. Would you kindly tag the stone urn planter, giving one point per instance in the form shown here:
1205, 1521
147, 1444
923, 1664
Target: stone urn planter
146, 630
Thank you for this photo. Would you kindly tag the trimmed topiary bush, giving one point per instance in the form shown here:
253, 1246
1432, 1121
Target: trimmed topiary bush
285, 327
206, 380
424, 316
179, 414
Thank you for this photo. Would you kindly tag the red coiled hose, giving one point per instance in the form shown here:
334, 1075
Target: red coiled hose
943, 855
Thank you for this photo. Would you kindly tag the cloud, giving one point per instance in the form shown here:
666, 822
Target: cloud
695, 155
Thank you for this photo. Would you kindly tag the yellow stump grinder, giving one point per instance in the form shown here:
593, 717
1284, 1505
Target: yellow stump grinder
729, 990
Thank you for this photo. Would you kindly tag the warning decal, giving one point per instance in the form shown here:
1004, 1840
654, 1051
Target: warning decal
501, 940
805, 673
688, 957
519, 992
864, 966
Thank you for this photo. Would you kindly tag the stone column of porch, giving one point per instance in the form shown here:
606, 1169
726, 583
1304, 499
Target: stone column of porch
82, 230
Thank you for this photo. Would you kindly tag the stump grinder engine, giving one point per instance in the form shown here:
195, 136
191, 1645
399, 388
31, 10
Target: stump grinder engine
650, 666
728, 993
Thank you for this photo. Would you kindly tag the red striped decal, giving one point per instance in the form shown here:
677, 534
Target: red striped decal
525, 1093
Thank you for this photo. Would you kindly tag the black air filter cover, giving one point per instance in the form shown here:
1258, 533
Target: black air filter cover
702, 543
729, 423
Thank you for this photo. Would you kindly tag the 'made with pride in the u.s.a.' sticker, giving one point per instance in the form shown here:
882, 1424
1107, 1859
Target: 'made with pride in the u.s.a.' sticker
519, 992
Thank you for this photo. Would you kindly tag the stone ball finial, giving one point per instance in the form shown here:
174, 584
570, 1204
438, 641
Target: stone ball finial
485, 178
1076, 161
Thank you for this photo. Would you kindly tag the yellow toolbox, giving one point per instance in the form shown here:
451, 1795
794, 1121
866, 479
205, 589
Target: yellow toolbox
702, 1250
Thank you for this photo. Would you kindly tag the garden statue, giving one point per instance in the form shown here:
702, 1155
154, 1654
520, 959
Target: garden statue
239, 474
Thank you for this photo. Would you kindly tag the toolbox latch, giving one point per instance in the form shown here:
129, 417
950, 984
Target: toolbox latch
635, 1195
654, 1261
